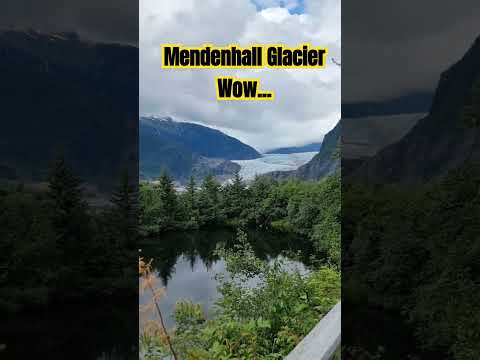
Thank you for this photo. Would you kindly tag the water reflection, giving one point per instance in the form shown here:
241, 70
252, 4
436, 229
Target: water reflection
187, 263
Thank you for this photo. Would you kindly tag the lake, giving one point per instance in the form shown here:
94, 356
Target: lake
186, 262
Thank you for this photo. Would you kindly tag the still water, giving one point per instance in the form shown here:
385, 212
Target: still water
186, 262
186, 265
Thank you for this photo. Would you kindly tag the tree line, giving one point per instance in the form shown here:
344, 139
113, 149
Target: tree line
265, 321
311, 209
55, 247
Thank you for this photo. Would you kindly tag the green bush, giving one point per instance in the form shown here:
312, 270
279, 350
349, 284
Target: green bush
264, 321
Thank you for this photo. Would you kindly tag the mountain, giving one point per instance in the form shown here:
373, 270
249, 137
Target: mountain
199, 139
418, 102
323, 164
362, 138
370, 126
62, 96
185, 149
326, 161
314, 147
440, 141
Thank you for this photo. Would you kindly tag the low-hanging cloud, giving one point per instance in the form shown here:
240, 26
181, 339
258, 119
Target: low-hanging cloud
307, 101
395, 48
96, 20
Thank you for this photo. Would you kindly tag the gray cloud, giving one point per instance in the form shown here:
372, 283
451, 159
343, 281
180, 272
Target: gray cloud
99, 20
307, 102
393, 48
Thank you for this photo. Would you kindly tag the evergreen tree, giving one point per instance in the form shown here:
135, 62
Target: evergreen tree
124, 214
260, 189
191, 204
190, 194
235, 199
64, 188
68, 211
168, 201
209, 200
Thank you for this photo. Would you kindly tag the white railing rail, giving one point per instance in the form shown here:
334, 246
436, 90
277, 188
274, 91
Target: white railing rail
322, 342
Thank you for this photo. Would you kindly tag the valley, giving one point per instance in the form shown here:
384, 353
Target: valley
185, 150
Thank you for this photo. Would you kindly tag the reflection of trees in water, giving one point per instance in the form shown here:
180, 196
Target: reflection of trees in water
167, 248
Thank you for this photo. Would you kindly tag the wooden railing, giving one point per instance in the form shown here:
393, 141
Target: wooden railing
322, 342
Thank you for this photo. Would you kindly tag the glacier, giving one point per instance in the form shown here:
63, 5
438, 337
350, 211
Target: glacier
272, 162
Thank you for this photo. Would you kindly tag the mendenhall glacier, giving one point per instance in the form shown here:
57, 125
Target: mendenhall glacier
272, 162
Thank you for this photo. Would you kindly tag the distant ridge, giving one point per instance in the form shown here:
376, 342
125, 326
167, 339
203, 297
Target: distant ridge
419, 102
314, 147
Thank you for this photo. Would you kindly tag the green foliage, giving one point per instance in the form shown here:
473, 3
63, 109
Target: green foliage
259, 191
54, 246
317, 213
158, 204
67, 210
209, 201
265, 321
167, 200
234, 199
124, 213
311, 209
190, 203
433, 229
282, 226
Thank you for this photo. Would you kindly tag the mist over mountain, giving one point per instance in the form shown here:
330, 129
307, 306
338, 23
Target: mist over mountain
442, 140
314, 147
183, 149
417, 102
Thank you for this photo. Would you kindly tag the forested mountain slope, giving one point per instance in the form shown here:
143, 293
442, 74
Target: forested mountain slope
183, 149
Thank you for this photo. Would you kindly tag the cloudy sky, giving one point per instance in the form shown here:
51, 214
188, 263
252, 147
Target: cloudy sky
392, 48
307, 101
98, 20
389, 49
